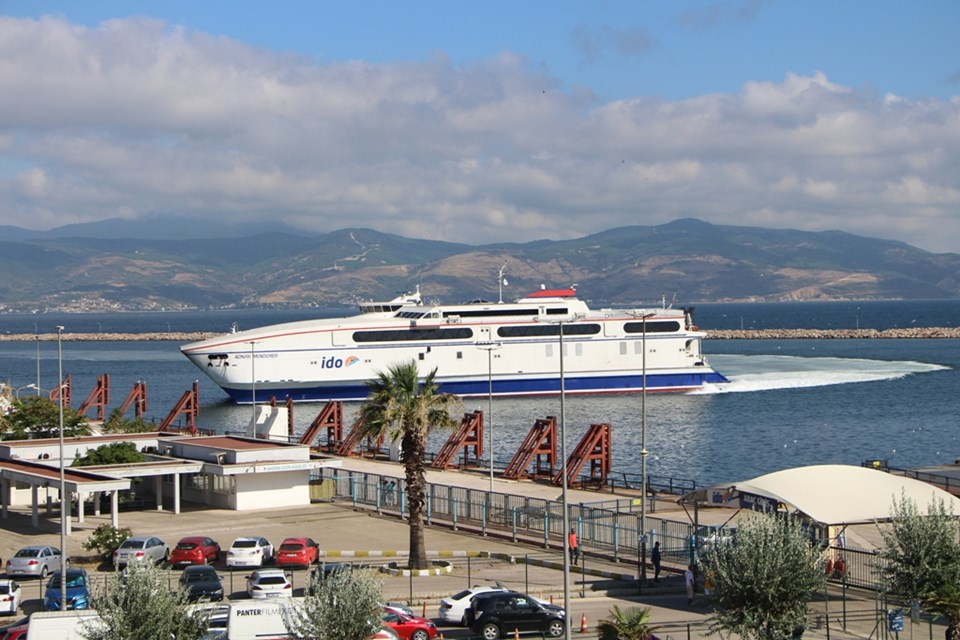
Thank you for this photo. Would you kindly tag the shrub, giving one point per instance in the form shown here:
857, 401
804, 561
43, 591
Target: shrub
106, 539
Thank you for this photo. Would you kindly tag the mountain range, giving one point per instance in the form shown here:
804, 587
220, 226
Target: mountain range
105, 266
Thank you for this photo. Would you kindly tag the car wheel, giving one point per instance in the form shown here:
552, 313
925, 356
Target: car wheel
555, 628
420, 634
43, 571
490, 631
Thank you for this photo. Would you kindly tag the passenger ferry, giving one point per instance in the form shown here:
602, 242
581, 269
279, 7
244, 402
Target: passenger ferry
477, 348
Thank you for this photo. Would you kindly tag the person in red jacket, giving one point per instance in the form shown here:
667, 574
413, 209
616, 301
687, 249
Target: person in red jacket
574, 545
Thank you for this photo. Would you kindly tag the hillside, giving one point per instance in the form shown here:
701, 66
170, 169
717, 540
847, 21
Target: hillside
687, 259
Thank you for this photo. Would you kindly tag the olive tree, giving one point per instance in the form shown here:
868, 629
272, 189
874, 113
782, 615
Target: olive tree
344, 605
763, 578
138, 604
39, 417
922, 558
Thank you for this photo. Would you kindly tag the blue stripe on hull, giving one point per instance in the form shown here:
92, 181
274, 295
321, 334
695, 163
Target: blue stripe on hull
534, 386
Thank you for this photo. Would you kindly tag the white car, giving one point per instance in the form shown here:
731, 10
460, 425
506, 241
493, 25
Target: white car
9, 597
139, 549
252, 551
453, 609
269, 583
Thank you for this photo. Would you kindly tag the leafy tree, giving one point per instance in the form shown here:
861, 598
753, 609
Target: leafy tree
923, 558
112, 453
764, 579
39, 417
116, 423
632, 624
399, 405
345, 605
106, 539
137, 604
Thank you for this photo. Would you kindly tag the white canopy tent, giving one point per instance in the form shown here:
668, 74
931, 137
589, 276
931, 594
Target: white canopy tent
829, 494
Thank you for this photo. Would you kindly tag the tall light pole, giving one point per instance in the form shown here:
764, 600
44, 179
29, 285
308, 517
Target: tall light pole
38, 360
642, 578
559, 321
64, 511
490, 346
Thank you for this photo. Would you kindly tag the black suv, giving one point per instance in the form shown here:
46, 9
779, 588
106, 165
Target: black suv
496, 613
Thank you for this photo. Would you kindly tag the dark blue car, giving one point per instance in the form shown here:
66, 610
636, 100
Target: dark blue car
77, 591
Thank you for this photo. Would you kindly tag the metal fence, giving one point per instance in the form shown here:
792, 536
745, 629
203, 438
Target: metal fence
607, 528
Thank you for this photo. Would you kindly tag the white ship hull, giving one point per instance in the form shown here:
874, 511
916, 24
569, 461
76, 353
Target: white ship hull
512, 347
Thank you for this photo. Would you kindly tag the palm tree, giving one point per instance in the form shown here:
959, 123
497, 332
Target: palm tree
632, 624
399, 405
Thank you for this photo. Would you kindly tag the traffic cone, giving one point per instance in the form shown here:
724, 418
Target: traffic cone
516, 634
583, 623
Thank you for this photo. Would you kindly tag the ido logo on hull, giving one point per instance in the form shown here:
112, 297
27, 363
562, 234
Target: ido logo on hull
333, 362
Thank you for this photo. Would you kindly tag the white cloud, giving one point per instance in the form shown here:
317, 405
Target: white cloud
134, 117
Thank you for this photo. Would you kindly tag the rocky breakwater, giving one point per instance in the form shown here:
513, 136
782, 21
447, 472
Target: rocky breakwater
834, 334
190, 336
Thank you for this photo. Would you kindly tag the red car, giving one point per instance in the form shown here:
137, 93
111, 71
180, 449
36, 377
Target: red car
409, 627
298, 551
195, 550
15, 633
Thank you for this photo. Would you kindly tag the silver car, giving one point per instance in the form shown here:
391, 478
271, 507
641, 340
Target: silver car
141, 549
35, 560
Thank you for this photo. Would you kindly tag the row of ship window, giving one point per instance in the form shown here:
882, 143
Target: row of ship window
524, 331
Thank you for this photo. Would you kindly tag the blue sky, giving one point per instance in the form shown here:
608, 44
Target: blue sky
486, 120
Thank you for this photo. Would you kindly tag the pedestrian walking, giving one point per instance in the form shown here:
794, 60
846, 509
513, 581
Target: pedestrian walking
573, 544
689, 582
655, 559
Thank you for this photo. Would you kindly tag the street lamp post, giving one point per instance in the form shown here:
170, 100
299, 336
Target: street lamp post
642, 578
559, 321
38, 361
29, 386
490, 346
64, 511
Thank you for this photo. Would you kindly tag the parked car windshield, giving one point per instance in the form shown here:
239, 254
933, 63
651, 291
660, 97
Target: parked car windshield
187, 546
27, 553
272, 580
132, 544
244, 544
291, 546
72, 581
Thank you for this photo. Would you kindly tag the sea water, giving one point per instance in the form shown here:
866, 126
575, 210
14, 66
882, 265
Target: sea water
789, 402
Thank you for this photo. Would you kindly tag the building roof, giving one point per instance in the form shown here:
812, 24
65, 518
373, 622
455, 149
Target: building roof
830, 494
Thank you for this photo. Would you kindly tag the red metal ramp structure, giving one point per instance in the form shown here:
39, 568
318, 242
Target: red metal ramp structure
353, 439
468, 435
189, 406
138, 398
593, 448
331, 419
99, 397
541, 442
62, 391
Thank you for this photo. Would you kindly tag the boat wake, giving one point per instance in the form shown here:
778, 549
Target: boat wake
747, 373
